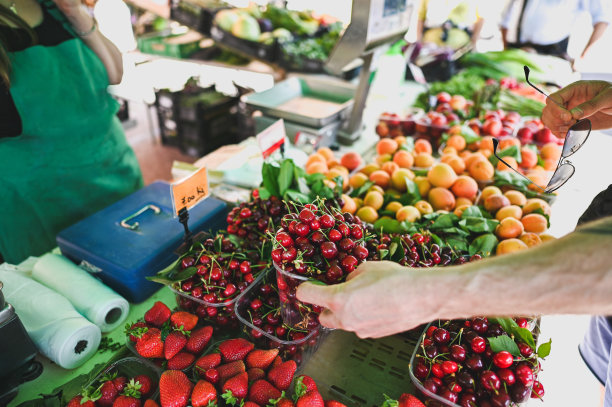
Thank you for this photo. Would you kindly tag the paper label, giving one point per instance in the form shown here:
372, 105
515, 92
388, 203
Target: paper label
272, 138
190, 191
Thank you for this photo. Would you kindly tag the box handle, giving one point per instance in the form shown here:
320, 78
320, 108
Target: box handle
124, 223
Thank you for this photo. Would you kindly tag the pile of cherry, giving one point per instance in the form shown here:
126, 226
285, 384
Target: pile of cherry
455, 362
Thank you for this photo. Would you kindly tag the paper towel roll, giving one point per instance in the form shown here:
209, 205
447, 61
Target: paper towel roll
94, 300
57, 329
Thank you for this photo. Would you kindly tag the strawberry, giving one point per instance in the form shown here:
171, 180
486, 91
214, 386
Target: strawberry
150, 403
311, 399
174, 389
108, 393
185, 319
204, 393
281, 376
181, 361
333, 403
261, 392
158, 314
136, 330
150, 345
235, 349
76, 402
230, 370
199, 339
250, 404
212, 375
261, 359
146, 385
408, 400
284, 403
126, 401
236, 388
304, 384
207, 362
174, 343
256, 374
120, 383
277, 361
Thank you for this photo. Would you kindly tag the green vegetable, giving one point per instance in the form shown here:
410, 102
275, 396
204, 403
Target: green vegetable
295, 22
464, 83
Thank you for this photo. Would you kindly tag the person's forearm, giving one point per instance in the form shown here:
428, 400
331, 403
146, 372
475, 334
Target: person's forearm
598, 31
420, 27
476, 30
99, 44
572, 275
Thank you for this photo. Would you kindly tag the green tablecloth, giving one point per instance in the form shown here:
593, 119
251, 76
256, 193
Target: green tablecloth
54, 377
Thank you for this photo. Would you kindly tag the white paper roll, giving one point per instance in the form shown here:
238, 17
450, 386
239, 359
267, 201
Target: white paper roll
92, 298
57, 329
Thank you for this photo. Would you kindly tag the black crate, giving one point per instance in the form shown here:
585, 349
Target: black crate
249, 49
194, 15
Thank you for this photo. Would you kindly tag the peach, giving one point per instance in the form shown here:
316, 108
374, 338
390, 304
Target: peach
441, 175
408, 213
465, 187
545, 237
404, 159
377, 189
386, 146
534, 222
472, 158
367, 214
494, 203
510, 246
400, 140
380, 178
512, 211
441, 199
335, 173
457, 164
351, 160
374, 199
509, 228
486, 153
449, 150
516, 197
530, 239
422, 146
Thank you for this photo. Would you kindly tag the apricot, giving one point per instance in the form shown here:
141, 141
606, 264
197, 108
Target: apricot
538, 178
381, 159
400, 140
357, 180
551, 151
533, 204
358, 202
398, 179
386, 146
534, 222
457, 164
423, 185
486, 143
550, 164
464, 155
393, 206
481, 170
465, 187
423, 160
441, 175
327, 153
316, 167
423, 146
441, 199
349, 205
376, 188
369, 169
374, 199
530, 239
316, 157
404, 159
516, 197
351, 160
508, 142
529, 158
510, 246
463, 201
494, 203
335, 173
409, 213
472, 158
509, 228
545, 237
512, 211
459, 209
390, 167
334, 163
510, 161
448, 150
424, 207
486, 153
380, 178
488, 191
457, 142
367, 214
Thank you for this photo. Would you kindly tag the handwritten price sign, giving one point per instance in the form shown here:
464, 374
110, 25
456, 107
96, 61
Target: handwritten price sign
272, 138
190, 191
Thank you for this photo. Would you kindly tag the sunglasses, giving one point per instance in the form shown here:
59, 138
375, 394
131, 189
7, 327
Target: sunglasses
574, 139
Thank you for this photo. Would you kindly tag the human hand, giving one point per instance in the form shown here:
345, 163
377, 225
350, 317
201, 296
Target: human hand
582, 99
373, 300
69, 7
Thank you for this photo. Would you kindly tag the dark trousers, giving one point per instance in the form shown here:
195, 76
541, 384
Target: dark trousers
558, 49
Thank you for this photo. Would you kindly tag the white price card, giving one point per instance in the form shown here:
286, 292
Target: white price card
272, 138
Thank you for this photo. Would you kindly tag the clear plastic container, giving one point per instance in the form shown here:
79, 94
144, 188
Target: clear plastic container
299, 350
130, 367
292, 309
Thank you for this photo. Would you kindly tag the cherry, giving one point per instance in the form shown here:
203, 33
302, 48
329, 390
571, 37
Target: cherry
500, 400
248, 278
329, 250
457, 353
265, 289
480, 325
356, 232
327, 221
346, 244
525, 349
205, 260
280, 331
507, 376
302, 229
464, 379
421, 370
256, 304
210, 298
284, 239
307, 249
455, 388
431, 351
489, 380
430, 386
187, 285
361, 252
344, 229
245, 213
349, 263
290, 254
306, 216
448, 395
522, 322
441, 336
197, 292
437, 371
478, 344
245, 267
317, 237
519, 393
315, 225
524, 374
334, 273
277, 255
503, 359
474, 363
262, 224
468, 400
216, 274
430, 331
427, 342
212, 311
187, 262
335, 235
449, 367
272, 319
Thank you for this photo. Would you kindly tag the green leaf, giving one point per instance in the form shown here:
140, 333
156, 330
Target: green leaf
339, 183
506, 343
541, 212
383, 253
454, 231
316, 282
412, 191
408, 144
362, 190
508, 324
303, 185
444, 221
511, 178
544, 349
264, 193
457, 243
478, 225
312, 178
285, 176
469, 135
484, 244
270, 174
389, 225
512, 151
472, 211
526, 335
293, 195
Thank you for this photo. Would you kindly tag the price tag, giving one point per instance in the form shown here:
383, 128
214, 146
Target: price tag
272, 138
190, 191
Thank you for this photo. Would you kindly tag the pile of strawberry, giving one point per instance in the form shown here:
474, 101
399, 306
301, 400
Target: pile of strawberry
115, 391
240, 375
405, 400
172, 340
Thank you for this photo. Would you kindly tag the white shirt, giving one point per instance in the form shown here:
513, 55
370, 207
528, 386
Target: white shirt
550, 21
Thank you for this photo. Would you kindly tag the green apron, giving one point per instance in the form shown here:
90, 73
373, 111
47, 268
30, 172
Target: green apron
72, 158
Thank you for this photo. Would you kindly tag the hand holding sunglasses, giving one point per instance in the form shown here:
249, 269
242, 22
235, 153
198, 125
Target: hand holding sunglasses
574, 139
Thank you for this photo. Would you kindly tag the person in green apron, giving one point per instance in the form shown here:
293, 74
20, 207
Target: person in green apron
63, 153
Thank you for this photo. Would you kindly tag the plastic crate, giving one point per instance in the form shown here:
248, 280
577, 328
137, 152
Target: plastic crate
251, 49
130, 367
176, 46
197, 15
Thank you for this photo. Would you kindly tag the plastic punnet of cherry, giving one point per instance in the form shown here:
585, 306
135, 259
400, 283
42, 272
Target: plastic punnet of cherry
477, 362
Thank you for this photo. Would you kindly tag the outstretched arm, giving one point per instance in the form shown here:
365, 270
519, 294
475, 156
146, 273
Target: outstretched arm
572, 275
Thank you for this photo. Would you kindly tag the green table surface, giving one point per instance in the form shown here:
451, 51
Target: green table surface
54, 376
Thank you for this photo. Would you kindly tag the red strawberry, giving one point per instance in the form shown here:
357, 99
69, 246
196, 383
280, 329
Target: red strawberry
185, 319
261, 358
181, 361
203, 394
256, 374
285, 403
236, 388
174, 389
108, 394
136, 330
261, 392
304, 384
408, 400
212, 375
230, 370
199, 339
281, 376
277, 361
333, 403
150, 345
76, 402
250, 404
150, 403
235, 349
146, 385
120, 383
207, 362
174, 343
311, 399
158, 314
126, 401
